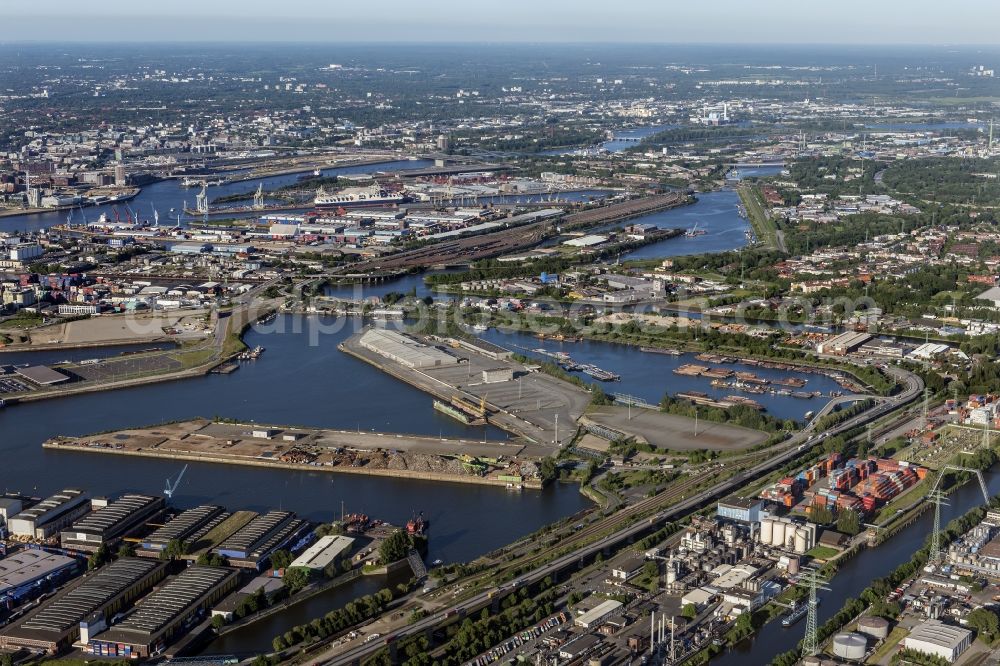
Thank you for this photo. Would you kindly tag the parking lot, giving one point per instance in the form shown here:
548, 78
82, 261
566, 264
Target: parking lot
11, 385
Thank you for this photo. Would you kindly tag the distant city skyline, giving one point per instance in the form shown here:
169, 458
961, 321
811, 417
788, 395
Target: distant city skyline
626, 21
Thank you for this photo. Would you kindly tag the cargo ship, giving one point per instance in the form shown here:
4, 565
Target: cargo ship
358, 197
658, 350
458, 414
746, 402
797, 613
599, 374
690, 370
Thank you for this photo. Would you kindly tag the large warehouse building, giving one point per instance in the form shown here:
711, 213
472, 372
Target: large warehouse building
326, 551
252, 544
188, 527
20, 572
939, 639
46, 518
107, 525
405, 350
56, 624
161, 616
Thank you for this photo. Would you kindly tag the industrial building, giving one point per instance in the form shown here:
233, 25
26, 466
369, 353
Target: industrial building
843, 344
253, 543
936, 638
107, 525
498, 375
50, 515
188, 526
788, 534
162, 615
326, 551
21, 572
42, 375
97, 598
488, 349
597, 615
405, 350
740, 509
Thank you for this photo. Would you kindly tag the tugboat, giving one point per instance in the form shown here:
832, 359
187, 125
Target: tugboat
418, 524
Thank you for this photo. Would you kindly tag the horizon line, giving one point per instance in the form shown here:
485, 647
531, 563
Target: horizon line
476, 42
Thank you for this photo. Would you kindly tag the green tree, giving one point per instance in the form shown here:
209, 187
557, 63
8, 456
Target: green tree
278, 643
126, 550
547, 469
99, 558
218, 622
280, 559
295, 579
689, 612
986, 623
395, 547
212, 560
849, 522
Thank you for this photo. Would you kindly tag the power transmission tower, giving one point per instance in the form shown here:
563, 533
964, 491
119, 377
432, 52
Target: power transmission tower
923, 416
812, 578
938, 498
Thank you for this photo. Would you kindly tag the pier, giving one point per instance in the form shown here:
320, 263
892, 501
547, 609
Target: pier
339, 451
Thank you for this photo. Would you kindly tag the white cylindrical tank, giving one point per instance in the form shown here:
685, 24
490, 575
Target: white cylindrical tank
793, 566
876, 627
778, 534
766, 532
850, 645
800, 541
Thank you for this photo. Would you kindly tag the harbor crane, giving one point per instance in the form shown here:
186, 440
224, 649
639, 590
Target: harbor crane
171, 488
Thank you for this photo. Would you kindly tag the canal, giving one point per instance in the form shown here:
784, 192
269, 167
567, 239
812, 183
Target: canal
857, 574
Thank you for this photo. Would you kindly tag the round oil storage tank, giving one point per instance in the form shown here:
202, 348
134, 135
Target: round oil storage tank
850, 645
766, 532
876, 627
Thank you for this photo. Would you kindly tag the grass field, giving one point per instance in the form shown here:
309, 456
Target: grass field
823, 552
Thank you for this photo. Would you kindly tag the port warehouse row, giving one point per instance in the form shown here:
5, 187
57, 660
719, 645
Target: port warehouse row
245, 538
81, 614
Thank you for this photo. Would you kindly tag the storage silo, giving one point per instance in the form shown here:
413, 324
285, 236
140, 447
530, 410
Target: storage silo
778, 534
800, 540
766, 531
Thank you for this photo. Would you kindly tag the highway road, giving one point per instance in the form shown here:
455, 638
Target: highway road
913, 386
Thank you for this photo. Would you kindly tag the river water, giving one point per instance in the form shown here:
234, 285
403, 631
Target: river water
715, 213
857, 574
294, 382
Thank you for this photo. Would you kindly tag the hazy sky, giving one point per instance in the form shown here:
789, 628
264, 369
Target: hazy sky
659, 21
